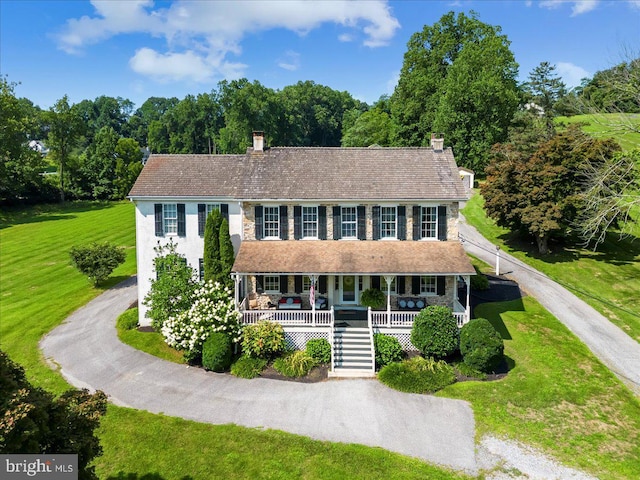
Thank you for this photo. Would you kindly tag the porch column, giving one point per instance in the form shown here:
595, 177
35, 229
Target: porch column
312, 298
467, 280
236, 290
388, 279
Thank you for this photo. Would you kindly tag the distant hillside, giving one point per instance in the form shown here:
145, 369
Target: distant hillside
608, 125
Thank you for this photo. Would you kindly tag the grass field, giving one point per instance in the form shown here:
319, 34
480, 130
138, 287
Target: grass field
39, 289
609, 125
609, 279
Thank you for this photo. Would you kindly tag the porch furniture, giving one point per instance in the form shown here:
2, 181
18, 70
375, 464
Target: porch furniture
411, 303
322, 303
290, 303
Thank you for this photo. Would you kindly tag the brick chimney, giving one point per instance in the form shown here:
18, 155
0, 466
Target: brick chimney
437, 141
258, 141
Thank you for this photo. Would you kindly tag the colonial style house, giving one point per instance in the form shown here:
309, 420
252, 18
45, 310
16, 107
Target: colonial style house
313, 228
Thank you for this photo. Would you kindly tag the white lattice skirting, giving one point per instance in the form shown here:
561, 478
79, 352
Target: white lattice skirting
403, 336
297, 339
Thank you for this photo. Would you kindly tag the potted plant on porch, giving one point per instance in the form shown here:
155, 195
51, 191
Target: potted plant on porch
373, 298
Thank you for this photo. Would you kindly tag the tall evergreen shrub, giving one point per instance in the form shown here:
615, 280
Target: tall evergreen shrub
212, 267
226, 254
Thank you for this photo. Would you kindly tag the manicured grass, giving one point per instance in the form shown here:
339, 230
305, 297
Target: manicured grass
609, 279
39, 289
557, 396
143, 444
609, 125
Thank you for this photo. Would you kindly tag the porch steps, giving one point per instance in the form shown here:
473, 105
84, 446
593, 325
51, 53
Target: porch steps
352, 353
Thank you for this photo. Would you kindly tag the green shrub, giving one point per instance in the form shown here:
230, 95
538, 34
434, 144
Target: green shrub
248, 367
387, 348
435, 332
128, 320
264, 339
319, 349
217, 352
373, 298
417, 375
481, 345
97, 260
295, 364
479, 281
470, 372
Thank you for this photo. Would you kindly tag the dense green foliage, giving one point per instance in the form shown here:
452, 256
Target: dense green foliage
372, 297
319, 349
227, 255
264, 339
479, 281
435, 332
248, 367
217, 352
128, 320
98, 260
545, 90
173, 288
211, 258
295, 364
481, 345
613, 90
537, 189
35, 421
387, 349
458, 77
417, 375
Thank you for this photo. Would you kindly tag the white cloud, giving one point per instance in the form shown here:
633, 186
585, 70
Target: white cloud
200, 35
571, 74
346, 37
578, 6
291, 61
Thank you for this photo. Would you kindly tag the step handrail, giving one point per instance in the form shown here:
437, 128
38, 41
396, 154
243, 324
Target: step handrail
373, 349
332, 339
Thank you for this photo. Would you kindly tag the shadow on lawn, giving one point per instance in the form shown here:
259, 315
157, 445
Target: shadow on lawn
145, 476
10, 216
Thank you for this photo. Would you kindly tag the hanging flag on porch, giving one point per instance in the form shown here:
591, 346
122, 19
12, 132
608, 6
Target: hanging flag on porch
312, 295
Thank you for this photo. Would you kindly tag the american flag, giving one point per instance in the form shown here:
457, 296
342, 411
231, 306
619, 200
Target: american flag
312, 295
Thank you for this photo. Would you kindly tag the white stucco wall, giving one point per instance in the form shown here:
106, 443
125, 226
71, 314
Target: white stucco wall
191, 245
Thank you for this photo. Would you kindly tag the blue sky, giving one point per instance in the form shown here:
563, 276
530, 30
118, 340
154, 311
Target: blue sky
136, 49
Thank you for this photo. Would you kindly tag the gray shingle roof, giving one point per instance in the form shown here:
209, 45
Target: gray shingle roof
353, 256
307, 173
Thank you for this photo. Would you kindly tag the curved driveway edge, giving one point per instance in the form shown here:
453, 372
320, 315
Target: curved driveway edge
90, 355
617, 350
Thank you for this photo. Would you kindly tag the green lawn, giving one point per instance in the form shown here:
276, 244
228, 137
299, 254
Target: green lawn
39, 289
609, 125
609, 279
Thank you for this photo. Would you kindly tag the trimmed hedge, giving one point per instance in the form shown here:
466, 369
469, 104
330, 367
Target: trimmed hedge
481, 345
387, 348
264, 339
435, 332
296, 364
217, 352
417, 375
128, 320
248, 367
319, 349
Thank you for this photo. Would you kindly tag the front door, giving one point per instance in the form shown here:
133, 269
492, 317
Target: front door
349, 289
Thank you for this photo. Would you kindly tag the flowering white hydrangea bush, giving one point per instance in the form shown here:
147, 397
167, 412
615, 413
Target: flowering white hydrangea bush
213, 310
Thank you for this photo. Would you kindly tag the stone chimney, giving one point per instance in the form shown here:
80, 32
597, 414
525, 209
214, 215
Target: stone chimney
437, 141
258, 142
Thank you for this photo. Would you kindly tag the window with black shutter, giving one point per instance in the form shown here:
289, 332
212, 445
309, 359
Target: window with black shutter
259, 283
337, 224
400, 284
224, 210
375, 282
402, 223
362, 223
259, 227
298, 283
159, 219
442, 222
415, 285
416, 222
440, 285
322, 222
322, 284
202, 218
297, 222
284, 284
376, 222
284, 223
182, 221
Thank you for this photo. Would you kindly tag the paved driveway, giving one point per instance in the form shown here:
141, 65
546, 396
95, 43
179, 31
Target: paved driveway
610, 344
89, 354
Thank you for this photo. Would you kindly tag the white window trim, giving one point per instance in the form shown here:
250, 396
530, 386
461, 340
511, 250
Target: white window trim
435, 237
277, 283
354, 222
165, 218
435, 286
210, 207
306, 284
317, 222
395, 222
264, 222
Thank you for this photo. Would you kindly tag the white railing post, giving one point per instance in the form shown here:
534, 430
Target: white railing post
331, 336
373, 349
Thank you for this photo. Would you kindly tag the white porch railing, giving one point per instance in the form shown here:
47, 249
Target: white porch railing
405, 319
289, 317
331, 339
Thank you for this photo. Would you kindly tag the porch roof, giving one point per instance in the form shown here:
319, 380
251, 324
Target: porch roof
349, 257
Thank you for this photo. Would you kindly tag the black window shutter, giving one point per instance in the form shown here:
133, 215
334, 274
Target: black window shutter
415, 285
159, 223
259, 222
224, 210
297, 222
442, 222
440, 285
202, 218
362, 222
402, 222
416, 222
284, 223
182, 222
201, 268
322, 284
375, 282
400, 284
337, 224
376, 222
322, 222
259, 283
298, 283
284, 284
